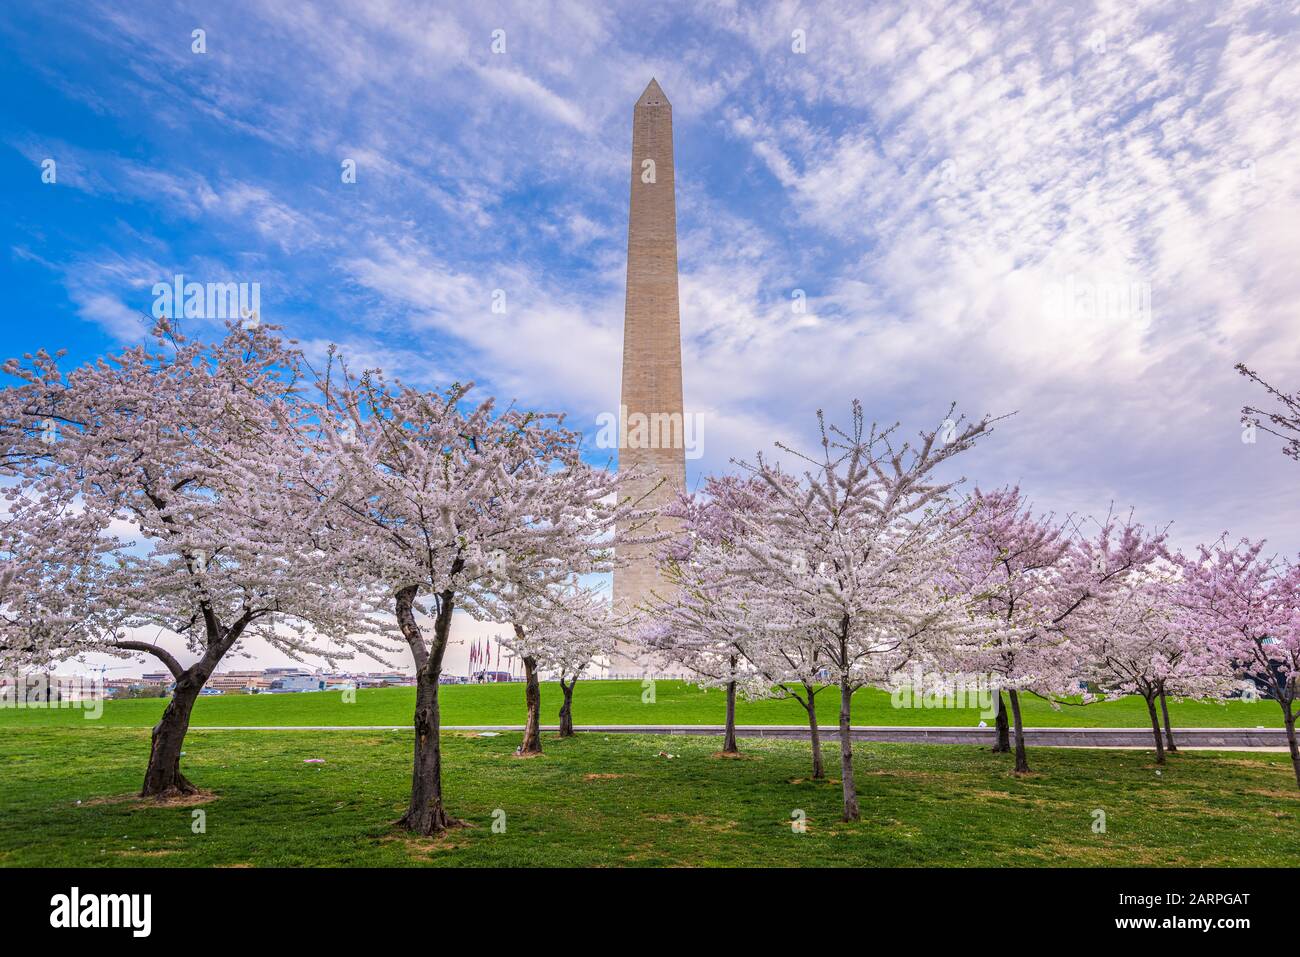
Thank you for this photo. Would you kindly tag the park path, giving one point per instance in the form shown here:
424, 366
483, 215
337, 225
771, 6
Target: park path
1190, 738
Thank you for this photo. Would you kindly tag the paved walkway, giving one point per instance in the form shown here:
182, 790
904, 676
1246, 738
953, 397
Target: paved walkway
1190, 738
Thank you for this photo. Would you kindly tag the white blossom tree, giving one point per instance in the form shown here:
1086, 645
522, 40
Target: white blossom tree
563, 629
706, 622
854, 554
152, 490
592, 633
701, 619
444, 498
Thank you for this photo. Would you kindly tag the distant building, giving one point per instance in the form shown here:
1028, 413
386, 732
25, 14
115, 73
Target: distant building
384, 679
296, 682
134, 687
239, 681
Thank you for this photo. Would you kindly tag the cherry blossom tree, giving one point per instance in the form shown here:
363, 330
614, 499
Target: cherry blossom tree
701, 631
788, 654
707, 623
152, 487
1138, 642
854, 554
1283, 419
701, 619
444, 497
1246, 607
1028, 575
1006, 562
563, 629
43, 601
592, 632
522, 600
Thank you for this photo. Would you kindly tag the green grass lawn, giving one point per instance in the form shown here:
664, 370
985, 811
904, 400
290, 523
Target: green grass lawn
610, 800
620, 702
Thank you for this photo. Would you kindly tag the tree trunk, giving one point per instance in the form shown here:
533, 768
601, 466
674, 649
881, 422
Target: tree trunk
819, 769
566, 709
1003, 744
1289, 717
729, 745
163, 776
426, 813
851, 812
532, 742
1022, 762
1169, 729
1155, 728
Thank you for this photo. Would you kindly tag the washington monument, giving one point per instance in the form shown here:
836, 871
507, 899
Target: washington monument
651, 423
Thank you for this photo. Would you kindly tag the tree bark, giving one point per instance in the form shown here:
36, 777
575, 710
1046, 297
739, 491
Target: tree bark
814, 733
729, 745
1155, 728
1022, 762
1169, 728
532, 742
851, 812
566, 709
1003, 744
163, 777
1288, 716
426, 813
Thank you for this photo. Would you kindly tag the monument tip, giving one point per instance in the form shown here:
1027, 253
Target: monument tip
653, 95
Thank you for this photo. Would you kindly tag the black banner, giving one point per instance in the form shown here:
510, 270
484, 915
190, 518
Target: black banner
145, 907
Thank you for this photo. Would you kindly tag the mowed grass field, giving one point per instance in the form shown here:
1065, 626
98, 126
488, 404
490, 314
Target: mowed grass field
67, 799
620, 702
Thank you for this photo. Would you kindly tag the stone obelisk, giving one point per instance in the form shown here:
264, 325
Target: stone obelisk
652, 425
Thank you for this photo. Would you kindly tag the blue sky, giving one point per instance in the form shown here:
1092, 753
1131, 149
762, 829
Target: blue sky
934, 176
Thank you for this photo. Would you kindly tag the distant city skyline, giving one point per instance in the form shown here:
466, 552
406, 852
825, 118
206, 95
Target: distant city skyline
258, 655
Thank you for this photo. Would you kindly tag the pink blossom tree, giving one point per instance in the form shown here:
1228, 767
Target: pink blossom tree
153, 489
1005, 562
1139, 642
1028, 575
1246, 607
46, 596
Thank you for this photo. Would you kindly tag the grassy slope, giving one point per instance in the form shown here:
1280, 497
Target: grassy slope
613, 800
619, 702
